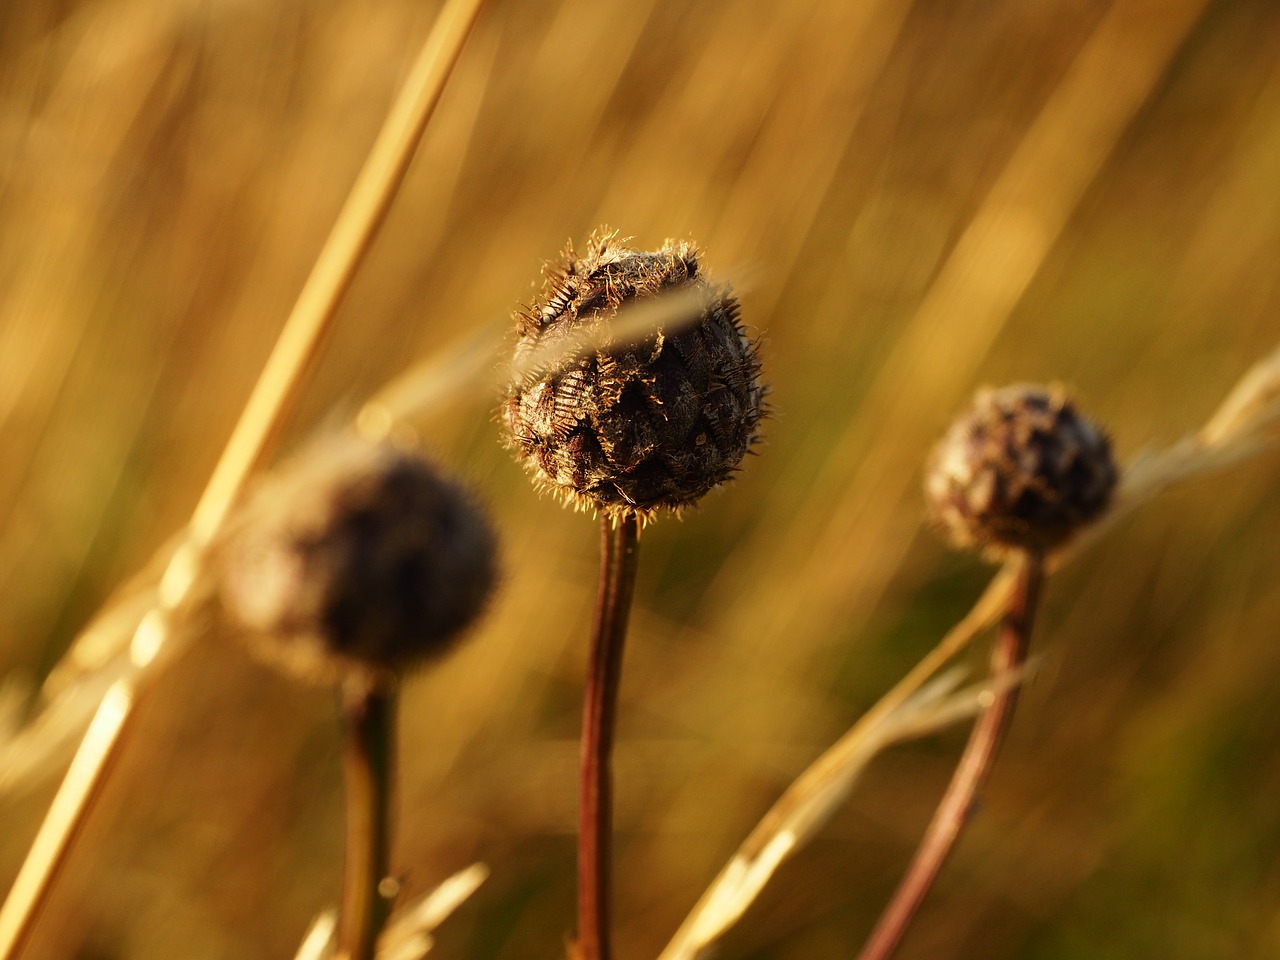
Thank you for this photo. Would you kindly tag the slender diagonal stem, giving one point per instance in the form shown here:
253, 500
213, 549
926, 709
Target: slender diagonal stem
368, 719
1009, 653
619, 546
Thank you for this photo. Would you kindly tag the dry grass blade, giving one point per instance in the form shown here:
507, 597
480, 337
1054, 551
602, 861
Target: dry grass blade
1243, 426
33, 748
408, 936
299, 343
470, 362
636, 319
810, 802
1252, 408
426, 387
343, 252
318, 943
317, 305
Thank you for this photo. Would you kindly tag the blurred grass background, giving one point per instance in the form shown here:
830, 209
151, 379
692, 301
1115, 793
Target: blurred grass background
913, 199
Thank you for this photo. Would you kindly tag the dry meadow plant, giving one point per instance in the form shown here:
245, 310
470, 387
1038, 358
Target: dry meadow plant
631, 428
1245, 424
1019, 474
910, 200
359, 564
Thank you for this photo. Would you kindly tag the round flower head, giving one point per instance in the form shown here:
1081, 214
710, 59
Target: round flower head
1022, 469
359, 557
641, 423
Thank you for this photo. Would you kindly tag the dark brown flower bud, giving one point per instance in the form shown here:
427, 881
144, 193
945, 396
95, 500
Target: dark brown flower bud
633, 425
358, 557
1021, 470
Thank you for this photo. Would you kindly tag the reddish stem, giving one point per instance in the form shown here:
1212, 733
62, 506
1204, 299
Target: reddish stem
619, 543
369, 713
1009, 653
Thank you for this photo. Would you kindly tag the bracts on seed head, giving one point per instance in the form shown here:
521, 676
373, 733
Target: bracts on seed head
632, 425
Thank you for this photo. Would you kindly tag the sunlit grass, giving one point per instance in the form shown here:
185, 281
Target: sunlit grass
916, 199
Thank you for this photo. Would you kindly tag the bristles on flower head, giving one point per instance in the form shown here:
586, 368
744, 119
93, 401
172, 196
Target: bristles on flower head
636, 424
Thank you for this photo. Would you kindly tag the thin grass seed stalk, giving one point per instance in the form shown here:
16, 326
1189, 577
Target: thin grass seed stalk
637, 424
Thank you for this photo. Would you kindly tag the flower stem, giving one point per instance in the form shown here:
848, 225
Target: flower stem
619, 545
1009, 653
368, 715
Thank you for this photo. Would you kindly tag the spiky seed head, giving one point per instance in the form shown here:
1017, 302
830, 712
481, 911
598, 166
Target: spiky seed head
1022, 469
359, 557
632, 424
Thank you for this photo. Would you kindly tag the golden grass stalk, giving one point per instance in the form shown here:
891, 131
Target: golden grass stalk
33, 749
1244, 425
409, 934
296, 349
470, 361
318, 943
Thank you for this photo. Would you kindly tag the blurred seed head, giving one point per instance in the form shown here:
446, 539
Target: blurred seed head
1022, 469
358, 557
633, 425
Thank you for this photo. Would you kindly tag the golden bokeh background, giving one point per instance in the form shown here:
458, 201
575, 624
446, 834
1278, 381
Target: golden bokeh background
913, 198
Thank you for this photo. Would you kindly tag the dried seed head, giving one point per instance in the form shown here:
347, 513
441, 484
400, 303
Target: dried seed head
1021, 470
633, 425
358, 558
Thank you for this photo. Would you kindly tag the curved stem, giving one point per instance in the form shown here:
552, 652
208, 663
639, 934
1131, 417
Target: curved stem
368, 717
1009, 653
619, 545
